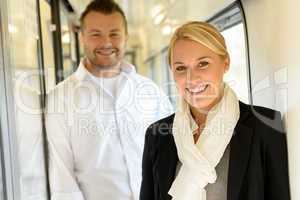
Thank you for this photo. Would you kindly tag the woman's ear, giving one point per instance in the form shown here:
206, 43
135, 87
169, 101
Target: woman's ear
226, 64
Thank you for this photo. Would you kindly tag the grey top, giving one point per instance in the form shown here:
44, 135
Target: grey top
217, 190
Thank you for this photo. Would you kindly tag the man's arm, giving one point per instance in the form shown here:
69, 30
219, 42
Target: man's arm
63, 184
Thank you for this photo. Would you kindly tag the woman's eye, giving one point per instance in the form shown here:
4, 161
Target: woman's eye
203, 64
180, 68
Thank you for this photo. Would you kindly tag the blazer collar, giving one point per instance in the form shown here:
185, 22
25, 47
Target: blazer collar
240, 146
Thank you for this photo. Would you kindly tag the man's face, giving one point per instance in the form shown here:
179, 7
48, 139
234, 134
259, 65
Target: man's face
104, 39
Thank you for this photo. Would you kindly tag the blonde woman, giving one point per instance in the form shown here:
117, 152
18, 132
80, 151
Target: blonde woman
214, 147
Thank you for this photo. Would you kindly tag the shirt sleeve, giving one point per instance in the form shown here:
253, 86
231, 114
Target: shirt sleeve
63, 184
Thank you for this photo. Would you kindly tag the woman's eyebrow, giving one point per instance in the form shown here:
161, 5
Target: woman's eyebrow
203, 57
178, 63
200, 58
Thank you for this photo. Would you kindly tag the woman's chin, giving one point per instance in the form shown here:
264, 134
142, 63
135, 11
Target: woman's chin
202, 105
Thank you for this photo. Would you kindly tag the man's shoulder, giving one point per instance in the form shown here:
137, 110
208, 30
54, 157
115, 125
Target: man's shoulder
146, 84
62, 89
69, 82
142, 78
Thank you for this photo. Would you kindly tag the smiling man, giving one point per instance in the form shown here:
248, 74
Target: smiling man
96, 118
104, 37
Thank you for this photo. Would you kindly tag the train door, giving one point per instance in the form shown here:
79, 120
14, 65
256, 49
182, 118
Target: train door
22, 99
2, 178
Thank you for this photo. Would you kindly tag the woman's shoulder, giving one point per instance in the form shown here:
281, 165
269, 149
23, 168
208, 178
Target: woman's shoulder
159, 135
261, 116
266, 123
162, 126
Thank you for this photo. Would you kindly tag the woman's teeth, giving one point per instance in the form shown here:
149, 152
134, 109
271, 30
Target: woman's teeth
197, 90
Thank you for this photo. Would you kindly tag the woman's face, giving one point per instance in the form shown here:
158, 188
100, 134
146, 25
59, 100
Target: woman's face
198, 73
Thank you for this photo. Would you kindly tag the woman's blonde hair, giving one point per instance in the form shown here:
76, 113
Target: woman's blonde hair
202, 33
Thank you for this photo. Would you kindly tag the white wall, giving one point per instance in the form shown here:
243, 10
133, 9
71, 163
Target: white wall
274, 52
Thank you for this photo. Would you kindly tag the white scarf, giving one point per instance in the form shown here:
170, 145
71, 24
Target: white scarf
199, 160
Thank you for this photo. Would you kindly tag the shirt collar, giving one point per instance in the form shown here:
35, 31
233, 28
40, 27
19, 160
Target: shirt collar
82, 73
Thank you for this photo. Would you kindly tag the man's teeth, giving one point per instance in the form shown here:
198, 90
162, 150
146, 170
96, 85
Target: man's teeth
105, 52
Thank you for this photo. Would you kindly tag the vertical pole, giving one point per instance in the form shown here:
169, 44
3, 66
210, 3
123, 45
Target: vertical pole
57, 43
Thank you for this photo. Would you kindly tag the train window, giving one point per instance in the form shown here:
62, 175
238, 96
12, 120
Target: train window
23, 50
1, 111
230, 23
160, 73
1, 176
45, 10
68, 42
152, 69
237, 75
168, 84
24, 89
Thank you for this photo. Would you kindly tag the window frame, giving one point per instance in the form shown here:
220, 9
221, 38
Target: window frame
8, 133
10, 172
228, 18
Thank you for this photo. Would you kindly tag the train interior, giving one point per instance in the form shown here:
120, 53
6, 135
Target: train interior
40, 47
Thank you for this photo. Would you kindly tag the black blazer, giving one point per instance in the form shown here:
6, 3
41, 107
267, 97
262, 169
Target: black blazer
258, 165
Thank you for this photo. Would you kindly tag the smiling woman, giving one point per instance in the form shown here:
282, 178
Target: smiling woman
198, 73
215, 143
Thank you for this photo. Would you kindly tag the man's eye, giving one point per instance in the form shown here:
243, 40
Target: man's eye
114, 35
203, 64
95, 34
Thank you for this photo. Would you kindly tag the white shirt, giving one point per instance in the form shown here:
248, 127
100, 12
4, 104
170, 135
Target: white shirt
96, 141
109, 84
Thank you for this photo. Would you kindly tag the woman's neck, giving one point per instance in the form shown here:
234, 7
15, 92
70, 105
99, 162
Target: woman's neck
199, 117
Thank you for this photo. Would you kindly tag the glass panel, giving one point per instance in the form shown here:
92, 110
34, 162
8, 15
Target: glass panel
168, 83
1, 152
23, 24
160, 73
237, 76
1, 180
47, 44
23, 40
151, 69
68, 43
229, 22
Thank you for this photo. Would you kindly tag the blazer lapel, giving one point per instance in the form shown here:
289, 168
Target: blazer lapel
239, 154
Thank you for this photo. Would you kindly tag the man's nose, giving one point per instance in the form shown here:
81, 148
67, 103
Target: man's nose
106, 42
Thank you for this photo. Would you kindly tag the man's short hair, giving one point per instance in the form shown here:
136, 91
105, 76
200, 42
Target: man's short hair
106, 7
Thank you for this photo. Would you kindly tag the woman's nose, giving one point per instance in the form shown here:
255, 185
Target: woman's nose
192, 75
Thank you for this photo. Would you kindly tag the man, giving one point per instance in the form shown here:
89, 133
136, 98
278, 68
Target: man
96, 118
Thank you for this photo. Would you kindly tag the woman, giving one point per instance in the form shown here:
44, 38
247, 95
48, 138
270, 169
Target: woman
214, 146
